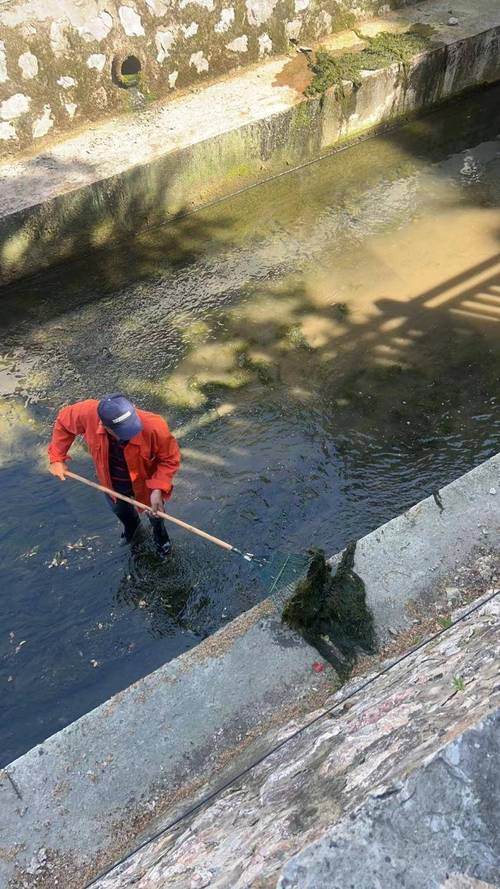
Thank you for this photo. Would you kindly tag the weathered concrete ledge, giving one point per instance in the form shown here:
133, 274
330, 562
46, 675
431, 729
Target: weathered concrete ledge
85, 792
447, 807
131, 173
60, 61
354, 796
404, 560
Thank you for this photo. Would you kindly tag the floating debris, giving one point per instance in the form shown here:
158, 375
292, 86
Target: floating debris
30, 553
83, 547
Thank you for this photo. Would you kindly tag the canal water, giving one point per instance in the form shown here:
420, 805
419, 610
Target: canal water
326, 348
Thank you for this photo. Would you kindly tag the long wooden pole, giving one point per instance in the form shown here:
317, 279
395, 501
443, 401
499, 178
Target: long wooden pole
162, 515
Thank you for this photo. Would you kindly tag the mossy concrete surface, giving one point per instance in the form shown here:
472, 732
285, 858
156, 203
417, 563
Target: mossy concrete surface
137, 171
381, 51
139, 754
66, 64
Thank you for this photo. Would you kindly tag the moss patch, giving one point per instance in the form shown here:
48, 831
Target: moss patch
295, 338
129, 80
330, 611
331, 70
381, 51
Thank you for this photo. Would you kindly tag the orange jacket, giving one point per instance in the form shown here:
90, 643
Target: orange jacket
152, 456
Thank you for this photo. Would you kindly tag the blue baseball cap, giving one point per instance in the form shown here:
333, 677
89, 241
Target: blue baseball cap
119, 414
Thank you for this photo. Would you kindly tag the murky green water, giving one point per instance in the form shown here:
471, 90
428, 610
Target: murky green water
325, 346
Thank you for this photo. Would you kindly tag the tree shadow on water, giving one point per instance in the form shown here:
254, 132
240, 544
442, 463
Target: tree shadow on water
270, 339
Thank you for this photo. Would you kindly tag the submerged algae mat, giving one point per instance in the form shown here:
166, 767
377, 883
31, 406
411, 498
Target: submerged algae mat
326, 347
160, 587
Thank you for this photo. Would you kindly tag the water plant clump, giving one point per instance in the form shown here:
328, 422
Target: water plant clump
382, 50
330, 611
129, 80
388, 47
162, 589
331, 70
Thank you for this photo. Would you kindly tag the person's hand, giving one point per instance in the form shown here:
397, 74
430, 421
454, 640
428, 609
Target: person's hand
58, 469
156, 500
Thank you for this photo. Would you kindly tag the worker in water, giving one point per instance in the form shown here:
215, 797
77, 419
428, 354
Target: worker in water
134, 453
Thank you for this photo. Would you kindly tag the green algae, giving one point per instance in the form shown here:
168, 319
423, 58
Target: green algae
341, 310
381, 51
295, 338
162, 590
331, 613
194, 333
129, 80
331, 71
389, 47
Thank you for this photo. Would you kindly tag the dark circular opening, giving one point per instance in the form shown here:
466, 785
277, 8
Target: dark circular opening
130, 66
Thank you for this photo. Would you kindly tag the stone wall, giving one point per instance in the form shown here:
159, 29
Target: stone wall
66, 62
125, 174
396, 788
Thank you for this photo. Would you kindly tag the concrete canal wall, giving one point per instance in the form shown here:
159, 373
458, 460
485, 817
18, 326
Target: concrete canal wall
64, 64
71, 805
123, 175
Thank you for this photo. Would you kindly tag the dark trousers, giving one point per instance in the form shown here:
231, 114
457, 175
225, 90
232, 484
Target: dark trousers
129, 517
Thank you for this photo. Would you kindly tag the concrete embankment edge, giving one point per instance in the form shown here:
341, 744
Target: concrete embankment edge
82, 793
110, 183
404, 560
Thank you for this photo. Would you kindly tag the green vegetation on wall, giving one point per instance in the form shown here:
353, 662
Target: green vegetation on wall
383, 50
